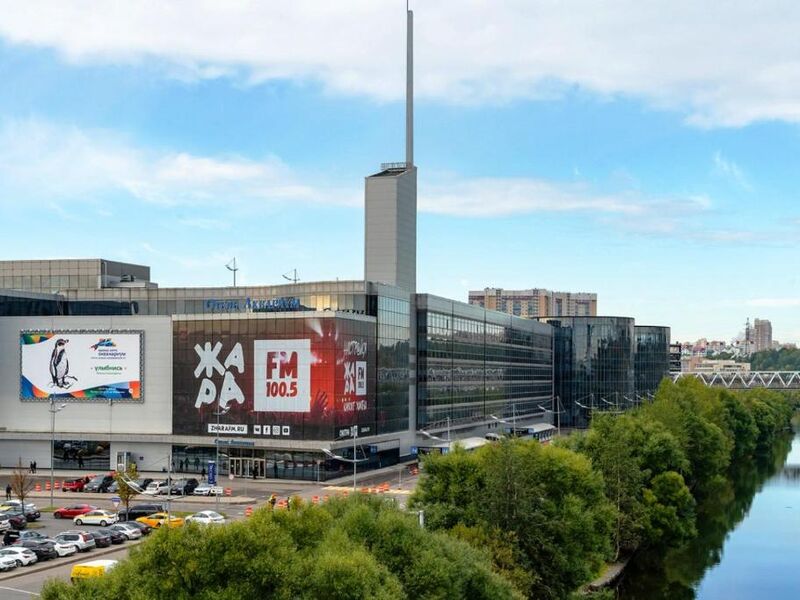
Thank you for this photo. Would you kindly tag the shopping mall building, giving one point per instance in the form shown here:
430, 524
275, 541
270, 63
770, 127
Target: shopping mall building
115, 369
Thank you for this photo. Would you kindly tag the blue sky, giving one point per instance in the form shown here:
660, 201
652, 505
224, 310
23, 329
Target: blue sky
572, 146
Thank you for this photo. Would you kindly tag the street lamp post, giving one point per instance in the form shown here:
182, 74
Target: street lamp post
218, 412
354, 430
354, 460
53, 410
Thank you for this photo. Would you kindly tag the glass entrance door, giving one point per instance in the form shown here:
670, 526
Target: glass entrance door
242, 467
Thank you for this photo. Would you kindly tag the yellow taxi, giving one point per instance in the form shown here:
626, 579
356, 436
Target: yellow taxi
161, 518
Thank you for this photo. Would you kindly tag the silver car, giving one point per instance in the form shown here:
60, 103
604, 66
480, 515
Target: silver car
131, 532
80, 539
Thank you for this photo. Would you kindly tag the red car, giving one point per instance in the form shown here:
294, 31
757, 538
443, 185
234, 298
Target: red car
74, 485
69, 512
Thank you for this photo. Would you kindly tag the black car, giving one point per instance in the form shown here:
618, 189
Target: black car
117, 537
100, 484
44, 550
143, 527
139, 510
101, 540
28, 515
184, 487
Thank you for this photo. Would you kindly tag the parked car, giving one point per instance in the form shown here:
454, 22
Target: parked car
96, 517
117, 537
99, 484
93, 568
139, 510
184, 487
114, 487
157, 487
30, 535
74, 510
31, 513
159, 519
7, 563
63, 549
17, 521
129, 530
23, 556
144, 528
44, 549
206, 517
82, 540
10, 536
101, 539
206, 489
5, 524
143, 482
74, 485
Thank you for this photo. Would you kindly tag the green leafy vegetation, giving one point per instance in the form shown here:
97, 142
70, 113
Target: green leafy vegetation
548, 517
785, 359
362, 547
512, 519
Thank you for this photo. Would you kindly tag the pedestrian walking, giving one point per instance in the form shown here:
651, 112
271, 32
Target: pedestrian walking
203, 474
34, 466
80, 462
180, 464
196, 463
8, 491
30, 467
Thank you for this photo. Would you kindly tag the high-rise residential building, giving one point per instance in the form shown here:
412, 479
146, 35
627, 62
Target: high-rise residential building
761, 335
536, 302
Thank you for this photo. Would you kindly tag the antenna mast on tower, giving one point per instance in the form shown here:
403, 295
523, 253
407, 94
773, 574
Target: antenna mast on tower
409, 87
231, 266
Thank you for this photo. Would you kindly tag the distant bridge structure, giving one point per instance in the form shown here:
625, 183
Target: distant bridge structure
770, 380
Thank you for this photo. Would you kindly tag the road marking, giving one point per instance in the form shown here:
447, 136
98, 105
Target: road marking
19, 591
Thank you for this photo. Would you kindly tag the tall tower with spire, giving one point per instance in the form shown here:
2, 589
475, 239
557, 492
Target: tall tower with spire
390, 240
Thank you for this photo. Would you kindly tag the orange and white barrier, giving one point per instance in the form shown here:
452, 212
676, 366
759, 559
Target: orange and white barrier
248, 512
228, 492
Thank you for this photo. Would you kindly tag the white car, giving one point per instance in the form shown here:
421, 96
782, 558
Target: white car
206, 489
80, 539
157, 487
64, 548
96, 517
206, 517
131, 532
23, 556
7, 563
5, 524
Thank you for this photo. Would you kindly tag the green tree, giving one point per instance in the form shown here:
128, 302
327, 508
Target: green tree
125, 492
670, 509
362, 547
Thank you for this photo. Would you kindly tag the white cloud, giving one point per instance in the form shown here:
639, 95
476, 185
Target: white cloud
48, 162
729, 169
44, 161
724, 64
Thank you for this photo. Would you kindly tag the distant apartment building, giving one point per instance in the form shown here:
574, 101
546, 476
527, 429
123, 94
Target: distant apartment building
696, 364
761, 335
536, 302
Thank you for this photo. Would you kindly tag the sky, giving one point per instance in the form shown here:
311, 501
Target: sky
645, 151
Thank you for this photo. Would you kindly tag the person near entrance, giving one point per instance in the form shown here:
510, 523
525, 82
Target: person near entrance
203, 474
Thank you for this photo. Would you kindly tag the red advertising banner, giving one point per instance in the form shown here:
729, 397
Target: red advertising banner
289, 378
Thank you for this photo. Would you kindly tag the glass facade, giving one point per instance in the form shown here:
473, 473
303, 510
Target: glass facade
594, 366
473, 363
652, 362
393, 363
35, 305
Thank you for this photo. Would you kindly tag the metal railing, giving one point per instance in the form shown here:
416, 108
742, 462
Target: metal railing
394, 166
772, 380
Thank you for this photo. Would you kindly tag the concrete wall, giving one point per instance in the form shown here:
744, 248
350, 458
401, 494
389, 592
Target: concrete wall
90, 419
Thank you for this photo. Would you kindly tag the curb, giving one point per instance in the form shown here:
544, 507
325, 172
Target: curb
67, 560
89, 497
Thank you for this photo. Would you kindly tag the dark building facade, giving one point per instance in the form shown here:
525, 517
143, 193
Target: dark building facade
594, 366
652, 359
473, 364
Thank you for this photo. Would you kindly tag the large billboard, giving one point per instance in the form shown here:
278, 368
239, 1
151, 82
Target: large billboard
278, 378
98, 365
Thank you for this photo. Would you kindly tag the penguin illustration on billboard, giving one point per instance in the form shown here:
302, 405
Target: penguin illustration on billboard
59, 365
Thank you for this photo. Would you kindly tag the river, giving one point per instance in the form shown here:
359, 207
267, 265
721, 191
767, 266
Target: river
748, 543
